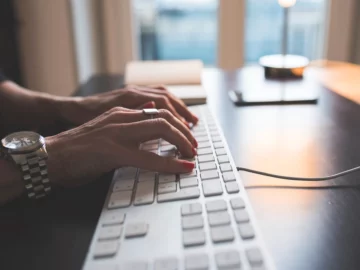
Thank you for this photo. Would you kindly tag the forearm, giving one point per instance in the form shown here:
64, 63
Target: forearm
22, 109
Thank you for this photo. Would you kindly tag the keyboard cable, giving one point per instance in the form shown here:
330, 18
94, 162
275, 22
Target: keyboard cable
300, 178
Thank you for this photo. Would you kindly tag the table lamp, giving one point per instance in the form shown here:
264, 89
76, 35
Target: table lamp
284, 65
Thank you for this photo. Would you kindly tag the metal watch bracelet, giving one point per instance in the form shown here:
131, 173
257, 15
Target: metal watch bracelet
35, 176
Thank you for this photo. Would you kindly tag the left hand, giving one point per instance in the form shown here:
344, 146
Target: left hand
80, 110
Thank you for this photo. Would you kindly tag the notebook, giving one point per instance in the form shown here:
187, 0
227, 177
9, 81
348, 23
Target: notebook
182, 78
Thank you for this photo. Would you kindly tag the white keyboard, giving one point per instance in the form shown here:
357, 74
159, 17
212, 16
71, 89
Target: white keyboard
196, 221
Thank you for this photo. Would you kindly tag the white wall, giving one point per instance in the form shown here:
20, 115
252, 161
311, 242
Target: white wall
87, 37
46, 45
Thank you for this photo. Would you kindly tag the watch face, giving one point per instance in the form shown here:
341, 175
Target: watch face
22, 141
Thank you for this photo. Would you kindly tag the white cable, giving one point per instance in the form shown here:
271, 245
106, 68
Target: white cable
300, 178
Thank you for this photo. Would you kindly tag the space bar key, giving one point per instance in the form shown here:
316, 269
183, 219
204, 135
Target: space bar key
187, 193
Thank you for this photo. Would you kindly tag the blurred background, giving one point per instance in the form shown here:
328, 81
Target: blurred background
181, 29
53, 46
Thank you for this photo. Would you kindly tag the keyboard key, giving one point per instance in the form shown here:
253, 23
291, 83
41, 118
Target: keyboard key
200, 133
223, 159
212, 188
188, 182
166, 178
120, 199
209, 175
254, 256
106, 248
216, 138
204, 151
164, 143
202, 139
112, 217
133, 266
150, 142
218, 218
166, 264
110, 232
218, 205
167, 148
214, 133
207, 166
186, 175
220, 151
126, 184
171, 153
228, 259
232, 187
228, 176
191, 209
226, 167
166, 187
218, 145
241, 216
193, 237
206, 158
246, 231
136, 229
203, 144
237, 203
144, 192
192, 222
150, 147
146, 176
222, 234
183, 194
105, 267
196, 262
126, 173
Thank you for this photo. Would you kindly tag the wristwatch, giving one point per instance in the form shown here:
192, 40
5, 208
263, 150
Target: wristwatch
27, 150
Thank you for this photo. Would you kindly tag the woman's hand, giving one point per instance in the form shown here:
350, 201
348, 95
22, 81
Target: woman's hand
80, 110
112, 140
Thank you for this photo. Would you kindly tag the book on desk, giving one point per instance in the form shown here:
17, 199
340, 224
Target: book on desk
182, 78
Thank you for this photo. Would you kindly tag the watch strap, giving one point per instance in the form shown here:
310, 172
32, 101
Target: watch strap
35, 176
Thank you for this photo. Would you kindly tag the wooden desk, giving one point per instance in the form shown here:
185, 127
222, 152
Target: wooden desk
305, 225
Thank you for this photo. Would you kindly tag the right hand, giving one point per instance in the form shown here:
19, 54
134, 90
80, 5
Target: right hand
111, 141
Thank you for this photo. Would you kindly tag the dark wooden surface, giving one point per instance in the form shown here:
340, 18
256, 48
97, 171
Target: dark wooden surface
305, 225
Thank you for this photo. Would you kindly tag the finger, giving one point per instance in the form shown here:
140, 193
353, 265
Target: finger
182, 109
178, 104
147, 105
163, 103
137, 115
177, 124
150, 161
152, 129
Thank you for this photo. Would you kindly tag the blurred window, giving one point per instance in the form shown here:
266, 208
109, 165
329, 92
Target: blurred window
186, 29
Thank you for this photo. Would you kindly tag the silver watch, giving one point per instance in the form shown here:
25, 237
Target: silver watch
27, 149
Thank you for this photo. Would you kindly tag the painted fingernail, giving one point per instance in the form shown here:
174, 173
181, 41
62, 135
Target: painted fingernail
186, 124
194, 151
195, 143
188, 165
149, 105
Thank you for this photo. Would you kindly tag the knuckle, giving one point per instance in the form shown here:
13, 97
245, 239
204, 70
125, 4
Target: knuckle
165, 113
163, 99
163, 124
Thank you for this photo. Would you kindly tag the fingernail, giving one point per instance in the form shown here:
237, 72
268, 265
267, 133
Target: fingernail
149, 105
188, 165
186, 124
195, 118
195, 143
194, 151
